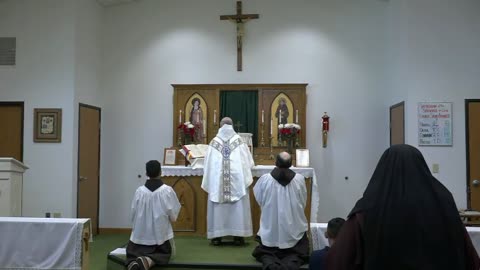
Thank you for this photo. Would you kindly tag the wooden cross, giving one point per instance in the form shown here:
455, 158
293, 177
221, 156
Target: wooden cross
238, 125
239, 20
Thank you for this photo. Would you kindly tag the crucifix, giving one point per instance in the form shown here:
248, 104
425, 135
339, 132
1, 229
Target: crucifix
238, 125
239, 19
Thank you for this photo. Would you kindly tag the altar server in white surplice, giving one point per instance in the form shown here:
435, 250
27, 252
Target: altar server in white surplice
226, 177
282, 237
154, 206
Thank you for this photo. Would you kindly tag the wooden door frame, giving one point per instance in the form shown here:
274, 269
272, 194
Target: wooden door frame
80, 105
467, 148
22, 104
390, 123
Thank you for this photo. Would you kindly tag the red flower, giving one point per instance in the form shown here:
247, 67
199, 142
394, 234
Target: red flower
186, 130
289, 133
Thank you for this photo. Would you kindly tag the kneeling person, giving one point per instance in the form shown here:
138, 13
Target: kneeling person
154, 206
282, 196
318, 257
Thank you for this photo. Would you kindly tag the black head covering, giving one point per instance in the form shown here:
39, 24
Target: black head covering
411, 220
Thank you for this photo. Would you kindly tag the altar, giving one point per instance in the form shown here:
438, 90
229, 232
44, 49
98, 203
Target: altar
192, 219
262, 115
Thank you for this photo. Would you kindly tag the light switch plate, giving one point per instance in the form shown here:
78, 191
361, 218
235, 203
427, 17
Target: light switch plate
435, 168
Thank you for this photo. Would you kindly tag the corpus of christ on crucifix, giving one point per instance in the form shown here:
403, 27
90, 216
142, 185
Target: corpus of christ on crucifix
239, 19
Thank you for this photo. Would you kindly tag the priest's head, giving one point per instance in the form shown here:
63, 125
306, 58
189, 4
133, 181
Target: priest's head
153, 169
284, 160
226, 120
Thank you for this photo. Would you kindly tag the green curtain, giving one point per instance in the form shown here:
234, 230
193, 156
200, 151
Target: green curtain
242, 107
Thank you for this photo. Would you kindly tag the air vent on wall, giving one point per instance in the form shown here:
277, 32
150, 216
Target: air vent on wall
8, 47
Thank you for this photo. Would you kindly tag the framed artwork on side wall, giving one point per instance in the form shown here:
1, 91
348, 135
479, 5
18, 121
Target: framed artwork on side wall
47, 125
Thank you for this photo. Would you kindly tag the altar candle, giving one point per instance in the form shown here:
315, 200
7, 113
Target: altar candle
198, 118
263, 117
180, 117
214, 117
296, 117
271, 126
280, 115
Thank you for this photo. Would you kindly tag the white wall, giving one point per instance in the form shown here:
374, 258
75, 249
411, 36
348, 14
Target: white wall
42, 78
88, 20
58, 54
435, 56
338, 47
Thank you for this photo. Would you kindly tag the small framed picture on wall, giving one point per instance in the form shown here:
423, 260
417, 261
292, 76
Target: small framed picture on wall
47, 125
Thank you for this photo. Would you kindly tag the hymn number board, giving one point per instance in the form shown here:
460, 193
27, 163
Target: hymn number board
435, 124
201, 106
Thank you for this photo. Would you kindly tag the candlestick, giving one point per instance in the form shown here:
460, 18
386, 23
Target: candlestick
271, 127
280, 116
272, 157
180, 117
262, 141
214, 117
262, 117
296, 117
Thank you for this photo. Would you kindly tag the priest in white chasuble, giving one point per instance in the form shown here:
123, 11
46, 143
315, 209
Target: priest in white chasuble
282, 237
226, 177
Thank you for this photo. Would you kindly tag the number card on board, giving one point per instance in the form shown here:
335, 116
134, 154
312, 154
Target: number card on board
435, 123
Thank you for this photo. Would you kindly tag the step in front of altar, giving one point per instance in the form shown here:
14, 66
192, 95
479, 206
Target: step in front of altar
197, 253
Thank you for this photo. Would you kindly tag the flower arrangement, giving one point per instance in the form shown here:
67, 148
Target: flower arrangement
187, 132
289, 130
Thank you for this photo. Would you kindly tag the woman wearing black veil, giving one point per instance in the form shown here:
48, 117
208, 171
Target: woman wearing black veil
406, 220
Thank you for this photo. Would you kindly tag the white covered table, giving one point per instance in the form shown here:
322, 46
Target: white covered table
319, 241
44, 243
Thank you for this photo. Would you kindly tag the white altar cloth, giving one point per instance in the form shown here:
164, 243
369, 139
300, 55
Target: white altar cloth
41, 243
257, 171
319, 241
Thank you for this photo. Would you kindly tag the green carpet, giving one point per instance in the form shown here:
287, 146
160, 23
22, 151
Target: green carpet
198, 249
189, 250
101, 246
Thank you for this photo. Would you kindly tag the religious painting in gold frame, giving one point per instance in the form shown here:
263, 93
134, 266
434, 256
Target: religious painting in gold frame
196, 110
47, 125
284, 104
